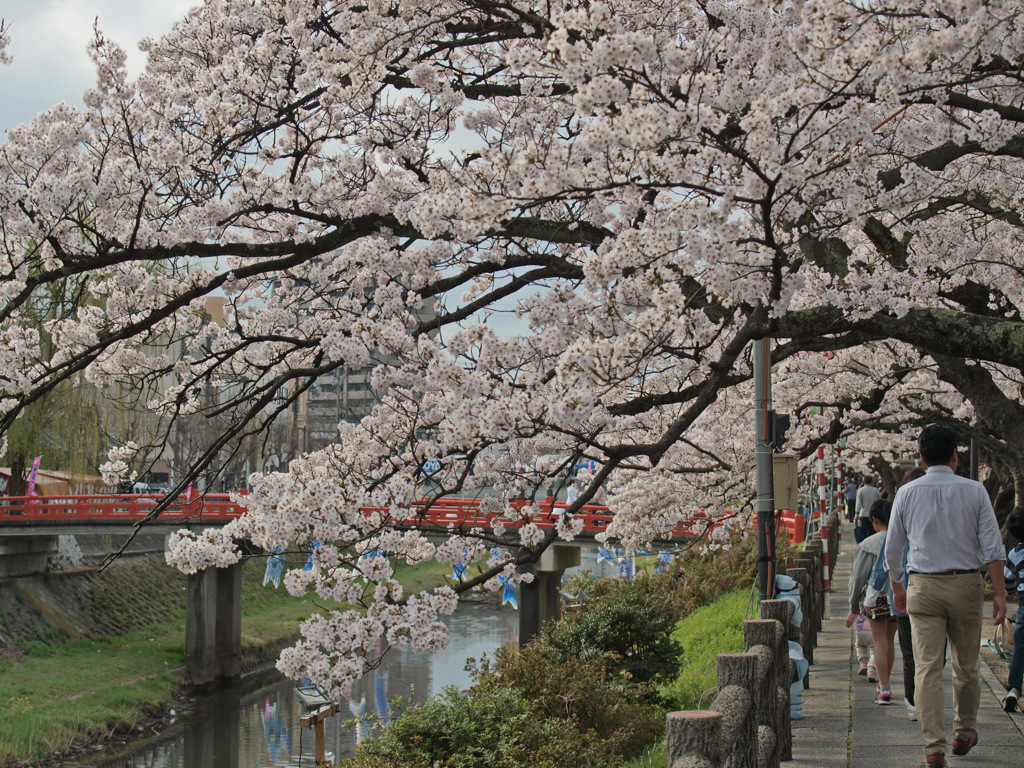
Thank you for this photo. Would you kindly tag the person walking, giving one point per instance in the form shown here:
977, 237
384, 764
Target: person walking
867, 495
903, 629
953, 534
878, 605
1014, 574
851, 501
867, 553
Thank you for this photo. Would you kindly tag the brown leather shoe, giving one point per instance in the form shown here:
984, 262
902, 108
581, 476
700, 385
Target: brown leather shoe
963, 746
935, 760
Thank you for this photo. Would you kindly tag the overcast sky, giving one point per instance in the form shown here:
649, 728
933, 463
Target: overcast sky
48, 42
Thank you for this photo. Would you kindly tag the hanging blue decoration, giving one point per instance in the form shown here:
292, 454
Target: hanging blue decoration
313, 546
369, 555
275, 567
627, 563
664, 560
508, 592
459, 568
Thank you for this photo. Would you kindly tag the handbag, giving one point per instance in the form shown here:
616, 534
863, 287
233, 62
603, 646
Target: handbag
878, 607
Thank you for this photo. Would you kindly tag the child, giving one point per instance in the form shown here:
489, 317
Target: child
1014, 573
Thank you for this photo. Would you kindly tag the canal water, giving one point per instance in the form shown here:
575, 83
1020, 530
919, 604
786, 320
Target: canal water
256, 725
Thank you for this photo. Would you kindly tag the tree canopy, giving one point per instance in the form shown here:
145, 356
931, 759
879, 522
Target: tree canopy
553, 228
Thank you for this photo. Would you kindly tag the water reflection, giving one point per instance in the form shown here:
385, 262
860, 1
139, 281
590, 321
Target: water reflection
247, 728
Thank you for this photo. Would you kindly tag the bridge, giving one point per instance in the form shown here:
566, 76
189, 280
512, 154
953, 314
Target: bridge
122, 513
29, 527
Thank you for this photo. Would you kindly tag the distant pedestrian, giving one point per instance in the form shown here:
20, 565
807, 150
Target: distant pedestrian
851, 501
1014, 573
878, 605
572, 494
867, 553
953, 534
867, 495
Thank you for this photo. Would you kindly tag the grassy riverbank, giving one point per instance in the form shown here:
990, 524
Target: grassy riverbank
54, 698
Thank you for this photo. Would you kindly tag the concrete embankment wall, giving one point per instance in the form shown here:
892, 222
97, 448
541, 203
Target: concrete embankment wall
132, 592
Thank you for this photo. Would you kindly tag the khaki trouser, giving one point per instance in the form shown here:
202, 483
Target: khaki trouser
943, 607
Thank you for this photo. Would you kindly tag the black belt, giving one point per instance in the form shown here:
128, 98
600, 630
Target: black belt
953, 572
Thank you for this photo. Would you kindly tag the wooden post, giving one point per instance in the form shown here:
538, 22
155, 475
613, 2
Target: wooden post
316, 719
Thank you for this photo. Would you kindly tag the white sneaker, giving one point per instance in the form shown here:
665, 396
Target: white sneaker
911, 709
1010, 700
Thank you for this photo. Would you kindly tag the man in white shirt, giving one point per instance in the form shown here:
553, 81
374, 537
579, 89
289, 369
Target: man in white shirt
953, 535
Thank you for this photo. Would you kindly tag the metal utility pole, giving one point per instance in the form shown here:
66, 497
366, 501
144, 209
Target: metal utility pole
763, 451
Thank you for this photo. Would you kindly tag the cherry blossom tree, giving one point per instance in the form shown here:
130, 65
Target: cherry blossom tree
553, 228
880, 395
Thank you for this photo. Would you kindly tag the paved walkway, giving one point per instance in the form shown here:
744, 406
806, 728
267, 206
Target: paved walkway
844, 728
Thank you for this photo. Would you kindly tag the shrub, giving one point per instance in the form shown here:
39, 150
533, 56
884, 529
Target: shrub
579, 695
627, 626
487, 727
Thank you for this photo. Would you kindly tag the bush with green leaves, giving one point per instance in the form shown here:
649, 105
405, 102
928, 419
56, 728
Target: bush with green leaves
489, 726
627, 626
579, 693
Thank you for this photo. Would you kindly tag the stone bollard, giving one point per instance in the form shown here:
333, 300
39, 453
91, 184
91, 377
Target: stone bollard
811, 608
737, 680
694, 739
774, 711
833, 543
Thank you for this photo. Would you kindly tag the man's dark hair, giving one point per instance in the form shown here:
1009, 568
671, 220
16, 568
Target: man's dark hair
912, 474
880, 511
937, 444
1015, 524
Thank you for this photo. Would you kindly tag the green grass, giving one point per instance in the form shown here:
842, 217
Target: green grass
86, 686
708, 631
56, 694
655, 757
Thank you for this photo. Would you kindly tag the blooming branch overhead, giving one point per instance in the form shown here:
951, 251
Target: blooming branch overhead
552, 229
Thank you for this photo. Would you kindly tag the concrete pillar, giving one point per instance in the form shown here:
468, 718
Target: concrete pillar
213, 626
229, 622
540, 600
201, 667
529, 606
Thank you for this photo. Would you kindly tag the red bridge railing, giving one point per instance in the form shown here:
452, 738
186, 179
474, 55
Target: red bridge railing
459, 513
